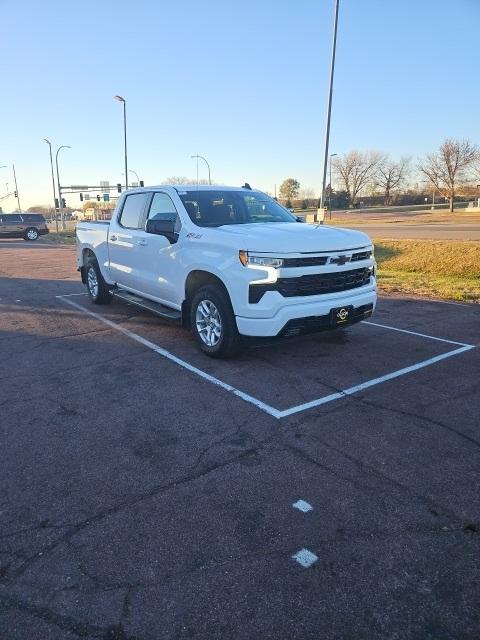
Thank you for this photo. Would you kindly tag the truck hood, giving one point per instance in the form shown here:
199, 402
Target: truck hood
295, 237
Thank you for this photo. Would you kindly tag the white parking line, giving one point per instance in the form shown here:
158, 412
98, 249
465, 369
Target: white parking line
186, 365
276, 413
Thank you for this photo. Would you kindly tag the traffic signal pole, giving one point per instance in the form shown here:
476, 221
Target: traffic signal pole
16, 189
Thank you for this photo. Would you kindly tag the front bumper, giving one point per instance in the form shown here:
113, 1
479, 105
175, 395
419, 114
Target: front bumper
304, 317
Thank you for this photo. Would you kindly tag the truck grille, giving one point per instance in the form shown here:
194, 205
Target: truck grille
311, 261
320, 261
312, 284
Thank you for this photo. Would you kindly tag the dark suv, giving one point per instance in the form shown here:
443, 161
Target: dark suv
22, 225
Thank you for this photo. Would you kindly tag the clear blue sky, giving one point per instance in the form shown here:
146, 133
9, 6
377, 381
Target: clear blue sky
242, 83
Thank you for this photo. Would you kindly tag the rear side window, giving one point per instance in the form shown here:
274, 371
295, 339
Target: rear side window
132, 211
13, 217
33, 217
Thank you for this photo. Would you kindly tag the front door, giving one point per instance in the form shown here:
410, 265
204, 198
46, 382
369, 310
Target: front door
160, 275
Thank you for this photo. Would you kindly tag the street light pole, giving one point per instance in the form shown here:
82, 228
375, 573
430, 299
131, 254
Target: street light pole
332, 155
120, 99
208, 166
60, 204
136, 175
16, 188
329, 108
53, 183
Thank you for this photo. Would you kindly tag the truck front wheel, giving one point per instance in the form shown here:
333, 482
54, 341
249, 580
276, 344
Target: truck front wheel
213, 322
96, 285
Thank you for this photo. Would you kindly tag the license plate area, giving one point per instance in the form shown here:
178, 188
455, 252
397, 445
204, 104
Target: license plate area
341, 315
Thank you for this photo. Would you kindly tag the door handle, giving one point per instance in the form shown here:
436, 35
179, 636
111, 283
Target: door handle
113, 238
142, 243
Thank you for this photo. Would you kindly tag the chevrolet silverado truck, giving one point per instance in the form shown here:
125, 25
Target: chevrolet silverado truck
227, 262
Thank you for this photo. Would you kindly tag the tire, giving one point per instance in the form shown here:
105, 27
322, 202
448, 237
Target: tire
31, 234
96, 286
211, 308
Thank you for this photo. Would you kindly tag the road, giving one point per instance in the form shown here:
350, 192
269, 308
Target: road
418, 231
142, 500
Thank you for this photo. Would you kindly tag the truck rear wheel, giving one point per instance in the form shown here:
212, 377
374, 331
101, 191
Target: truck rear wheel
96, 285
213, 322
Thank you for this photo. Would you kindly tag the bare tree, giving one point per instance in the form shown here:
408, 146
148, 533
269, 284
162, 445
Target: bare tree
355, 170
391, 176
449, 166
184, 180
306, 192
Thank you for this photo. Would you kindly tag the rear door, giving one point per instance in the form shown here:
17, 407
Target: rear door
123, 239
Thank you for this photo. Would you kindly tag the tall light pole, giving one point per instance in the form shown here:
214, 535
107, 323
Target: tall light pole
329, 108
120, 99
53, 183
60, 205
206, 162
332, 155
16, 188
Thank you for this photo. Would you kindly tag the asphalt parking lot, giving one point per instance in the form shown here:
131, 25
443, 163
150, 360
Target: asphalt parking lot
321, 487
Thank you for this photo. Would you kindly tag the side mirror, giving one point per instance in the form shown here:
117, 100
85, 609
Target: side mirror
299, 219
164, 228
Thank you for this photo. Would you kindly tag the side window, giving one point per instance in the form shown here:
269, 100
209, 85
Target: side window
13, 218
162, 208
132, 211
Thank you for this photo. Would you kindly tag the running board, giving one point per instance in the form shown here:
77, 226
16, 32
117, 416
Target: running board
154, 307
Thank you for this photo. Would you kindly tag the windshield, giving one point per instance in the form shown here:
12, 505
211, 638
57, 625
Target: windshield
216, 208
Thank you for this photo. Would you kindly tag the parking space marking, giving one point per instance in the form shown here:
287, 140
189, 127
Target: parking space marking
305, 557
415, 333
302, 505
69, 295
186, 365
263, 406
371, 383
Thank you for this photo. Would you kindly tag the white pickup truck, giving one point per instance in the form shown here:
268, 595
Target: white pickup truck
228, 262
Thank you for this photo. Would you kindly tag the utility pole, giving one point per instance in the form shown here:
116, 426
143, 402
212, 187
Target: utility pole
16, 188
332, 155
60, 203
53, 184
329, 108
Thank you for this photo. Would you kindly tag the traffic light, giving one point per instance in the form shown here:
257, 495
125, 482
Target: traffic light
81, 197
64, 203
98, 198
141, 183
119, 187
56, 204
16, 194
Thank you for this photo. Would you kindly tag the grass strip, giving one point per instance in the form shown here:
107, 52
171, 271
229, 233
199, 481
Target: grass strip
434, 268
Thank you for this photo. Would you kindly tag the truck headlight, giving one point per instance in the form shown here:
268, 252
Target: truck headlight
259, 261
